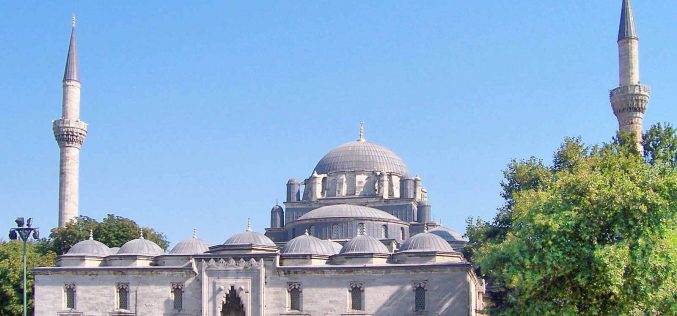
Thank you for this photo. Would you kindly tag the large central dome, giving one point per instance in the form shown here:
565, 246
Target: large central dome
361, 155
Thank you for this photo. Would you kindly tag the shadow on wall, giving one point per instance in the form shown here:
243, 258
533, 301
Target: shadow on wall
441, 299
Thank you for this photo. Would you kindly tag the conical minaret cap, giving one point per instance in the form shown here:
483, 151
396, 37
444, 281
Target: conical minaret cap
626, 28
71, 72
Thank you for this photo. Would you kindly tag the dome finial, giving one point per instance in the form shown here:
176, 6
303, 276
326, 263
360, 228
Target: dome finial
194, 233
306, 233
141, 233
73, 19
249, 224
361, 139
425, 228
91, 234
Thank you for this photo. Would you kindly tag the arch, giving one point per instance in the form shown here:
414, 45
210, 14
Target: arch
232, 304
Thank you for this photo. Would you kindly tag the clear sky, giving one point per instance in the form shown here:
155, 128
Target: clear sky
200, 111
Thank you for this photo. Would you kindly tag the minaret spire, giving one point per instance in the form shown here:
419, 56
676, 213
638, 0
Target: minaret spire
629, 101
70, 133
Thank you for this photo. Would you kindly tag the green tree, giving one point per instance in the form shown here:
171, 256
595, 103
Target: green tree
11, 274
593, 234
114, 231
660, 144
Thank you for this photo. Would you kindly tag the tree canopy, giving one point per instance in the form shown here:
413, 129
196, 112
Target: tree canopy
11, 280
593, 233
113, 231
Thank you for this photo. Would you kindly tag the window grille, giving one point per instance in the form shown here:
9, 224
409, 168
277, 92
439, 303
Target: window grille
294, 290
177, 295
311, 230
70, 296
420, 287
403, 236
356, 296
123, 296
384, 231
361, 230
335, 231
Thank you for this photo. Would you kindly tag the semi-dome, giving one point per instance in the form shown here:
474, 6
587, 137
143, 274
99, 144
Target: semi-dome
307, 245
447, 234
249, 238
361, 155
363, 244
425, 242
89, 247
140, 246
347, 210
191, 246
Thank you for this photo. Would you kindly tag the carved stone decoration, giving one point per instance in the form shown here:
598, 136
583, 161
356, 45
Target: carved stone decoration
357, 285
123, 286
419, 284
177, 286
70, 286
69, 133
294, 286
231, 263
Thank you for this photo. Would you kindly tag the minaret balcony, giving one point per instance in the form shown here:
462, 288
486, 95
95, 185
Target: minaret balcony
637, 89
69, 133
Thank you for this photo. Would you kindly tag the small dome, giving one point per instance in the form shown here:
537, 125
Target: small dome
363, 244
307, 245
347, 210
249, 238
89, 247
425, 242
193, 246
361, 155
140, 246
334, 246
447, 234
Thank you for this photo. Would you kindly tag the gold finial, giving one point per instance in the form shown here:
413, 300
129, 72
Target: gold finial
361, 139
91, 234
141, 233
73, 19
306, 233
249, 224
425, 228
194, 233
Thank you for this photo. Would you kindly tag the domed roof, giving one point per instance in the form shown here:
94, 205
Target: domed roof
425, 242
363, 244
249, 238
361, 155
334, 246
114, 250
347, 210
140, 246
191, 246
276, 208
307, 245
447, 234
89, 247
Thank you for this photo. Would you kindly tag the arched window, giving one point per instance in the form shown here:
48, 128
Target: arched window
384, 231
356, 296
294, 289
403, 235
311, 230
361, 230
123, 296
419, 295
177, 295
69, 290
335, 231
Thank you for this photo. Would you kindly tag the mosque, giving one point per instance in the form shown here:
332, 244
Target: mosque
354, 238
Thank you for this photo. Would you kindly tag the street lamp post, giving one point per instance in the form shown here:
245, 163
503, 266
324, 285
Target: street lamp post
23, 232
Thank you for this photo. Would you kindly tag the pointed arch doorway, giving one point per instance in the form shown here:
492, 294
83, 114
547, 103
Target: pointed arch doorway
232, 306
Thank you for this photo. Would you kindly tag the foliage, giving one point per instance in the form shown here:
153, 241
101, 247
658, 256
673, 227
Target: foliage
11, 280
114, 231
593, 234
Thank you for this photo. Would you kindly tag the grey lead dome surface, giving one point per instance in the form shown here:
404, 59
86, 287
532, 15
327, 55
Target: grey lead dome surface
361, 156
425, 242
447, 234
347, 210
140, 246
307, 245
191, 246
249, 238
89, 247
363, 244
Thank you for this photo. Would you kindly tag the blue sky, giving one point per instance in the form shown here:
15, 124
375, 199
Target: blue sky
199, 112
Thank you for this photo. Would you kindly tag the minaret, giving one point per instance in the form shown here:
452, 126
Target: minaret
630, 99
69, 132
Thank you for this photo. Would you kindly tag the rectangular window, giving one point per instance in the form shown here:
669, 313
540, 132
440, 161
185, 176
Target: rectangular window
177, 295
294, 290
69, 290
123, 296
356, 296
